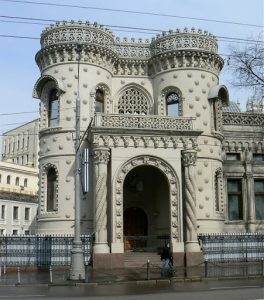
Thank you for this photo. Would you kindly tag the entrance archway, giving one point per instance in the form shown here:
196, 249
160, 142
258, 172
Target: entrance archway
146, 215
135, 225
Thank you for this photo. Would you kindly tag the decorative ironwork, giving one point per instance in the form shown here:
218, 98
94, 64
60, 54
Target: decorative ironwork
237, 247
41, 251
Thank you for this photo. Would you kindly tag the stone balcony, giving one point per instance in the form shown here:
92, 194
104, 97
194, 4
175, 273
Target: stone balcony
151, 122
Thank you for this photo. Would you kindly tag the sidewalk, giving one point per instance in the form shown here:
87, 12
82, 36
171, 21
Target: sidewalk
93, 277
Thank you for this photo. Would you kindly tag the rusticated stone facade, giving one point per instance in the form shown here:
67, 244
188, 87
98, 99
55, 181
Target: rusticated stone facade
151, 117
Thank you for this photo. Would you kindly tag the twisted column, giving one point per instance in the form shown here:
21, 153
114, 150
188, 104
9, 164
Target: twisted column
100, 161
189, 159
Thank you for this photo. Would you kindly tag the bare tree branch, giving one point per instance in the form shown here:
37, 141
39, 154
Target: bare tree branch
247, 66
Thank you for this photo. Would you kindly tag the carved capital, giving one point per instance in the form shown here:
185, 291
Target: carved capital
189, 157
101, 155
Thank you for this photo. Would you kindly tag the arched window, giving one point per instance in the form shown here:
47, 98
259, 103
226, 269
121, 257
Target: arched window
99, 100
17, 180
8, 179
133, 102
53, 108
51, 189
172, 104
25, 182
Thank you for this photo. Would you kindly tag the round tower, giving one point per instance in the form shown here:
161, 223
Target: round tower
185, 67
57, 88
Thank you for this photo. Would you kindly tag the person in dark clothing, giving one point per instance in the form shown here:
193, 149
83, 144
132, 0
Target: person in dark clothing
167, 261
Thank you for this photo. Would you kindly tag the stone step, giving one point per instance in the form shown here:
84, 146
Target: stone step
139, 259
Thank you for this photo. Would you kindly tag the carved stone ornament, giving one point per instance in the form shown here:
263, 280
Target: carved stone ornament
101, 155
189, 157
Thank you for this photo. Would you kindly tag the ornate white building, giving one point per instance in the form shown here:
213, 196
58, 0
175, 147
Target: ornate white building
151, 117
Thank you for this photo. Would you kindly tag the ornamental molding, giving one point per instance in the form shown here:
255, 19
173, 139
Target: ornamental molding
230, 145
173, 187
246, 119
141, 141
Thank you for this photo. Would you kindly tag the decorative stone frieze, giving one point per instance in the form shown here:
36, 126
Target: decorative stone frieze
141, 141
239, 145
239, 119
183, 40
143, 122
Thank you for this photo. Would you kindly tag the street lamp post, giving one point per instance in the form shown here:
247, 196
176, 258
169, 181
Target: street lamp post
77, 259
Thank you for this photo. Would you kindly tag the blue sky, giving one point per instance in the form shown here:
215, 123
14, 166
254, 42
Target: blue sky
18, 70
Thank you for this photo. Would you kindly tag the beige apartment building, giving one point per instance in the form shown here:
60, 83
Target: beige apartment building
166, 159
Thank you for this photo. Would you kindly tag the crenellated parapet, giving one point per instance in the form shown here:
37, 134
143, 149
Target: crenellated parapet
169, 50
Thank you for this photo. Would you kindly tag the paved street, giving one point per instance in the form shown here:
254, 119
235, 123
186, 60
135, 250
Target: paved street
206, 290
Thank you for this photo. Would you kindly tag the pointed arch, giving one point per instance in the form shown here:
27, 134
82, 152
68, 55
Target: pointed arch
171, 101
49, 182
41, 82
103, 91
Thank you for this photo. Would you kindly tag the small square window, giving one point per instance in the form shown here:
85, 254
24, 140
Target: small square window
2, 231
15, 232
233, 156
27, 232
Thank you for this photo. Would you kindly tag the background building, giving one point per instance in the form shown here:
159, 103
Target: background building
18, 199
19, 180
20, 145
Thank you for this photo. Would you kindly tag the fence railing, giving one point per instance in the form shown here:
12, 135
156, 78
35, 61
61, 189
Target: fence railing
41, 251
232, 247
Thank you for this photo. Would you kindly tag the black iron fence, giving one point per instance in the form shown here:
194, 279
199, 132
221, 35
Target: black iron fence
232, 247
41, 251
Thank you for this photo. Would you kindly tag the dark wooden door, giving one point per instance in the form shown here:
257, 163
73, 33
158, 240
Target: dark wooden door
135, 226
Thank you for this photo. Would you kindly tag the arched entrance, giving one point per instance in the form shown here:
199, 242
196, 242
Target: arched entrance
135, 225
146, 210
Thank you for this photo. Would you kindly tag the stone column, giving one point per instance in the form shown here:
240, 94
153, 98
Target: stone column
251, 220
189, 159
100, 161
250, 204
